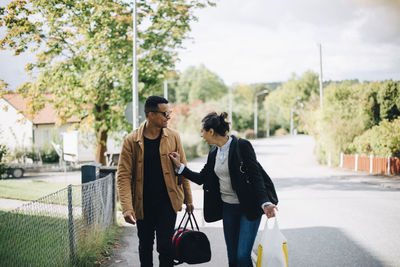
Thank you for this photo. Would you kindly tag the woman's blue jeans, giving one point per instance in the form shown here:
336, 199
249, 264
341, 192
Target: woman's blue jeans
240, 234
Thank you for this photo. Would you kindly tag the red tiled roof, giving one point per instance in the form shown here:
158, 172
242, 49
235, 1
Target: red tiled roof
46, 116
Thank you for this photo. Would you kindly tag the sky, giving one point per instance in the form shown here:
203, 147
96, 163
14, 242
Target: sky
268, 40
257, 41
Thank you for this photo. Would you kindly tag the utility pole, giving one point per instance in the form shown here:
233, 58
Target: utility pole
256, 110
165, 89
291, 120
135, 91
267, 123
320, 76
230, 106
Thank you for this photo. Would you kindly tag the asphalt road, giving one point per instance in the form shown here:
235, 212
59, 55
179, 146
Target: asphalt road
329, 216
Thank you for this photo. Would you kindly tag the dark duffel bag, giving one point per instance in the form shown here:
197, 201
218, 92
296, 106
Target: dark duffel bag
190, 245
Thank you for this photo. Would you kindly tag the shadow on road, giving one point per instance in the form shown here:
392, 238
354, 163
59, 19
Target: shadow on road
324, 246
332, 183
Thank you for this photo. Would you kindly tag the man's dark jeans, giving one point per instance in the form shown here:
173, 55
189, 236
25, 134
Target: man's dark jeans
240, 234
160, 219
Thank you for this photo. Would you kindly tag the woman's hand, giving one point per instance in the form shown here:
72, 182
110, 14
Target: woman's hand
176, 159
269, 210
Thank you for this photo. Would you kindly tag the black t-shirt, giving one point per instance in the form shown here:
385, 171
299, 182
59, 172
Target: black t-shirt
154, 188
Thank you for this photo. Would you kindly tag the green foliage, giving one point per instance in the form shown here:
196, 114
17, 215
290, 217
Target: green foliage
199, 84
389, 100
342, 119
84, 53
356, 118
96, 246
295, 94
3, 153
380, 140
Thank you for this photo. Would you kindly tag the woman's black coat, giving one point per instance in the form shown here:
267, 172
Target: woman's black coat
250, 200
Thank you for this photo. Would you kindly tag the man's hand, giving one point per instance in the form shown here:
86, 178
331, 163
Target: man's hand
189, 208
130, 217
176, 159
269, 210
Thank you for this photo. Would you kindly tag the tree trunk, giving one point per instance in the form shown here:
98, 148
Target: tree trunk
102, 136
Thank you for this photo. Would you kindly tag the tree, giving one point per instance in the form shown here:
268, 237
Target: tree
295, 93
200, 84
84, 54
389, 100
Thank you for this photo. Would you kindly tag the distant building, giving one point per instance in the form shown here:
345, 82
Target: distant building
18, 130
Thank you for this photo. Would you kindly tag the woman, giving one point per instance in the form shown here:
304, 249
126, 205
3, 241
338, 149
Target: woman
225, 193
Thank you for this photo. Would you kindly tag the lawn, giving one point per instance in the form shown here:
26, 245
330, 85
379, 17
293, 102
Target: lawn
35, 240
28, 190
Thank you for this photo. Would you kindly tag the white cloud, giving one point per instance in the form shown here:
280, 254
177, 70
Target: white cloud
261, 41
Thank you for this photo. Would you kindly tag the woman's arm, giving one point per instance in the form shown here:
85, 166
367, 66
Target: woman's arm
197, 177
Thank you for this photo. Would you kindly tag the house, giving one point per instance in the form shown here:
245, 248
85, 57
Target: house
19, 131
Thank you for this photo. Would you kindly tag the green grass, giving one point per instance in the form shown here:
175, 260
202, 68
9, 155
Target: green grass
28, 190
36, 240
31, 240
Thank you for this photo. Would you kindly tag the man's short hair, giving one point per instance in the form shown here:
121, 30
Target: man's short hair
152, 103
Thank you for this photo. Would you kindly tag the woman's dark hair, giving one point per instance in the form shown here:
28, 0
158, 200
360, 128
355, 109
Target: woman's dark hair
216, 122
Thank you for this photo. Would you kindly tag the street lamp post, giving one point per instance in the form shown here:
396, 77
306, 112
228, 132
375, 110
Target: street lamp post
230, 106
267, 124
165, 89
320, 77
256, 110
135, 91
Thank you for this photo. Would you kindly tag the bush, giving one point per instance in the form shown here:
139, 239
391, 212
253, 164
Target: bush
281, 131
249, 134
3, 153
381, 140
49, 156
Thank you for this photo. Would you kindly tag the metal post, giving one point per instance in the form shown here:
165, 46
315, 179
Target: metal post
371, 160
341, 159
291, 120
135, 91
388, 165
256, 110
71, 227
255, 117
267, 115
230, 106
320, 76
165, 89
114, 203
89, 173
329, 159
356, 163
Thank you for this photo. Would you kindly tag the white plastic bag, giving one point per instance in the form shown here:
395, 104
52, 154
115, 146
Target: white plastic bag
272, 250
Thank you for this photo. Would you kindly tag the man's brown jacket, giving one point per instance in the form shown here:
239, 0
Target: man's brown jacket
130, 173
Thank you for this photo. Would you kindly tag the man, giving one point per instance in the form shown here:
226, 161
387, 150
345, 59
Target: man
150, 193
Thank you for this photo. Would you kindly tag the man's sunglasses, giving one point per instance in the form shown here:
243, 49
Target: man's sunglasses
166, 114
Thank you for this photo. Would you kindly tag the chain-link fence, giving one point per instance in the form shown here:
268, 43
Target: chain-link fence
57, 229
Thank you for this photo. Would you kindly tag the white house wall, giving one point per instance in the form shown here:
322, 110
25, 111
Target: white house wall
43, 133
15, 129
